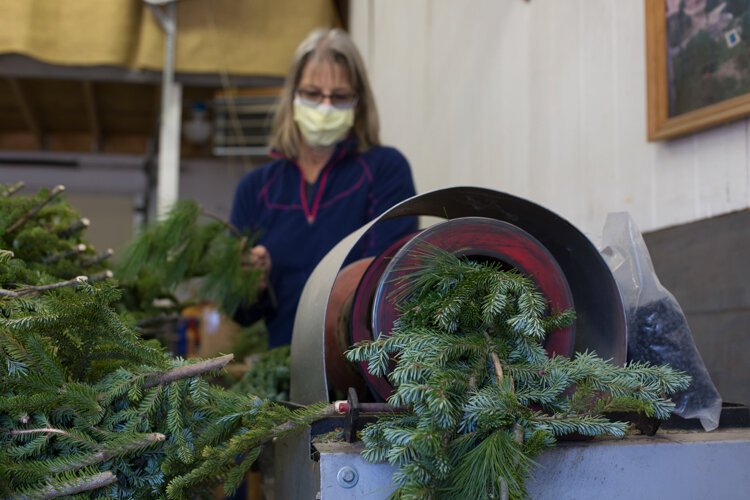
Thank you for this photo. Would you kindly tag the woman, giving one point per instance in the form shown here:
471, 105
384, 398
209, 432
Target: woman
330, 176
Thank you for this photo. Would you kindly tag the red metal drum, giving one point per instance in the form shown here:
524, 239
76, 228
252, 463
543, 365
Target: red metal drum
373, 310
561, 258
344, 313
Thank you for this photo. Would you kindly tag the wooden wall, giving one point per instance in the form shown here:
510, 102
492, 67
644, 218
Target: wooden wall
544, 99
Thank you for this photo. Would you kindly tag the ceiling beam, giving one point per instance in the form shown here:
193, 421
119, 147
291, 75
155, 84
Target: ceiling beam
32, 122
92, 111
20, 66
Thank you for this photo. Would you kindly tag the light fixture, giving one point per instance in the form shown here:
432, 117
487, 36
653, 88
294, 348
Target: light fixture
197, 130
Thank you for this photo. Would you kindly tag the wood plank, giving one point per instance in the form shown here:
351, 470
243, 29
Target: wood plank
397, 47
127, 143
674, 185
598, 110
248, 92
504, 131
29, 116
136, 144
18, 141
633, 155
555, 133
721, 160
656, 61
69, 141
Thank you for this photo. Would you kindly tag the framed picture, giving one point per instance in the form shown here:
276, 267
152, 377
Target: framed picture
698, 64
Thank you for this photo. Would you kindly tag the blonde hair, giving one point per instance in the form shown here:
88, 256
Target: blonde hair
337, 47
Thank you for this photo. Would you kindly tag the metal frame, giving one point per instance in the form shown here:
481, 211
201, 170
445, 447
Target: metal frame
600, 323
671, 465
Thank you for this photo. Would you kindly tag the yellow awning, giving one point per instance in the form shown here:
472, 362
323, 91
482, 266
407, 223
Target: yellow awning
248, 37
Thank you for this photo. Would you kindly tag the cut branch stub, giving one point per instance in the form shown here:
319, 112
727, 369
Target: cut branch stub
188, 371
13, 188
33, 290
31, 213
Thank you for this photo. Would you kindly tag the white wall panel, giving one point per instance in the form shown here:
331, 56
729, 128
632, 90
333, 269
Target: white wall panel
543, 99
675, 190
555, 105
452, 98
632, 155
597, 186
722, 187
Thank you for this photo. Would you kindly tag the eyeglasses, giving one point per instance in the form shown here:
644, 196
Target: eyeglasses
341, 100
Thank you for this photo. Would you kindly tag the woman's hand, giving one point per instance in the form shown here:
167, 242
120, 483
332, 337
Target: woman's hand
258, 258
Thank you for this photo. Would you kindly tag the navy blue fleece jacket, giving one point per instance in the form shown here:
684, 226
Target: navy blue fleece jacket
299, 224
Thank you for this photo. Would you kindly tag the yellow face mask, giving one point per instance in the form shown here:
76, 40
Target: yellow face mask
322, 125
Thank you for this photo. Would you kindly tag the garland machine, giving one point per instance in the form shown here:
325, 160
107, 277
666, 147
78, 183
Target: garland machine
341, 306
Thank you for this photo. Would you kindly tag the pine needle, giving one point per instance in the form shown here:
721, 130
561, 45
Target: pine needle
470, 365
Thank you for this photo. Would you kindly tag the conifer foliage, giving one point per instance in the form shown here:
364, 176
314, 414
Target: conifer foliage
87, 407
191, 243
45, 235
483, 396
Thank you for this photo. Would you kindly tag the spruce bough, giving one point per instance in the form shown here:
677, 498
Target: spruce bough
183, 246
87, 407
483, 396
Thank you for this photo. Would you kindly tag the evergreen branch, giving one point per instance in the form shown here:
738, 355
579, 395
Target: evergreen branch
226, 223
72, 229
71, 487
13, 188
36, 289
495, 360
237, 475
471, 368
98, 259
51, 259
182, 247
176, 423
32, 447
101, 276
220, 461
188, 371
491, 469
6, 256
120, 448
47, 430
32, 213
586, 425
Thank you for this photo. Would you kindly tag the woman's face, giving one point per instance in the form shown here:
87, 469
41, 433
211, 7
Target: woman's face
327, 78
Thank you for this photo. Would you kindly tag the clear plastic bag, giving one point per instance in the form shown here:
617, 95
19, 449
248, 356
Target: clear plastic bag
657, 330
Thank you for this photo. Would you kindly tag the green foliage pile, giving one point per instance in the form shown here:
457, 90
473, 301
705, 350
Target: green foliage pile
88, 409
483, 397
232, 441
45, 235
268, 376
184, 246
251, 340
82, 395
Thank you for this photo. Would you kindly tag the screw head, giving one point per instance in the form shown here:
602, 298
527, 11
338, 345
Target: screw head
347, 477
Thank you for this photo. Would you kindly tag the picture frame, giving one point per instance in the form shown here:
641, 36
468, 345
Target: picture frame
662, 76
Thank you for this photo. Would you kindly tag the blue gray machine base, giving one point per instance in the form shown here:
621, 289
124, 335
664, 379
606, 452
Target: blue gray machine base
670, 465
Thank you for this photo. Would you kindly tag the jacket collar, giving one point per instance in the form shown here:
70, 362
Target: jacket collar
343, 148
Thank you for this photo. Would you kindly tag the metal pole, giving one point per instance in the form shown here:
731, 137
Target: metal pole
167, 183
